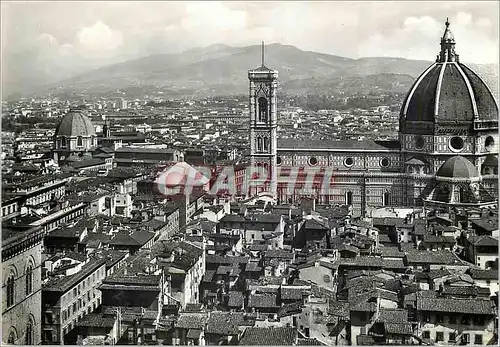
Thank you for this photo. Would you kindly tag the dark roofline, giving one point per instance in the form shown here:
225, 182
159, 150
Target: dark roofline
68, 282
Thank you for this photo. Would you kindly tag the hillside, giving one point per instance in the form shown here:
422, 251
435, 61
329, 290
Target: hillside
221, 69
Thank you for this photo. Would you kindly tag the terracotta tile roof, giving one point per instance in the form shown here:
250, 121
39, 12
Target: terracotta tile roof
465, 306
430, 257
96, 320
133, 279
290, 309
63, 284
235, 299
231, 270
191, 320
193, 308
112, 257
258, 247
253, 267
391, 252
388, 221
485, 240
439, 239
313, 224
343, 247
488, 224
266, 300
293, 293
465, 291
282, 336
338, 308
372, 262
218, 259
225, 323
278, 253
479, 274
393, 316
209, 275
398, 328
309, 342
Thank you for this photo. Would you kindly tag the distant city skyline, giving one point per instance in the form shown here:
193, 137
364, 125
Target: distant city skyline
47, 41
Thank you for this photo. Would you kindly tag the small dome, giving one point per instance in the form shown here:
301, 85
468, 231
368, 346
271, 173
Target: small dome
457, 167
75, 123
491, 160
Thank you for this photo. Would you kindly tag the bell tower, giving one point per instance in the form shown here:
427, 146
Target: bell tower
263, 83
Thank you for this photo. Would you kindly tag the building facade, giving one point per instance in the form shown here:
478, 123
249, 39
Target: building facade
69, 296
21, 286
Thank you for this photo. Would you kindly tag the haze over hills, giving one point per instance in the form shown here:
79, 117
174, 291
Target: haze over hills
220, 69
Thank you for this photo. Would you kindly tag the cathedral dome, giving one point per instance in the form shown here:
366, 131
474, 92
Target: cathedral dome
457, 167
449, 91
75, 123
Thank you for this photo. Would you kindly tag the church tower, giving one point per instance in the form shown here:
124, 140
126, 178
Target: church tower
263, 123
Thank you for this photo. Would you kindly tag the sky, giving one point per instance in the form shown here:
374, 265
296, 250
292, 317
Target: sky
46, 41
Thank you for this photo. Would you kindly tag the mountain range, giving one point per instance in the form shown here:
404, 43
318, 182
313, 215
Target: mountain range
221, 70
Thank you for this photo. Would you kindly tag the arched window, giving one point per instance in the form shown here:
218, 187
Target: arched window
263, 109
29, 279
29, 332
348, 198
63, 141
386, 199
12, 336
266, 144
79, 141
259, 144
10, 290
462, 195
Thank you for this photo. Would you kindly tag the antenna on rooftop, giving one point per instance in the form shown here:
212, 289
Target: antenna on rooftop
262, 53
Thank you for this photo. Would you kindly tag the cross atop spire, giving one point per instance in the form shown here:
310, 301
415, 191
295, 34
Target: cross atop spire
262, 53
447, 53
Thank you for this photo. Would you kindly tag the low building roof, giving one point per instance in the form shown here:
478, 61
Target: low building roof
465, 306
282, 336
65, 283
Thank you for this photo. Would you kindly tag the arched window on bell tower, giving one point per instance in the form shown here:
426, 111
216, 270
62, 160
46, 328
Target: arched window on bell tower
259, 144
266, 144
263, 109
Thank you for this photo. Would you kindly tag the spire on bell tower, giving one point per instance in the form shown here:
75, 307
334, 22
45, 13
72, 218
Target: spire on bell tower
447, 53
262, 53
